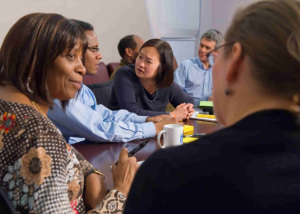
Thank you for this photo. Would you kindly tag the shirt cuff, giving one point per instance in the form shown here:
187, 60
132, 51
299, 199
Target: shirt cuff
149, 129
140, 119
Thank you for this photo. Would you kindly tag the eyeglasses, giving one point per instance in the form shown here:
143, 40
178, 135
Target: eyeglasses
93, 49
212, 55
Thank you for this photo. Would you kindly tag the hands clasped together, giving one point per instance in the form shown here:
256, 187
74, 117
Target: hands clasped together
184, 111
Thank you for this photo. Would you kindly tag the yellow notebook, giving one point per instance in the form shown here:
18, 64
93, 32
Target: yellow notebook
189, 139
188, 128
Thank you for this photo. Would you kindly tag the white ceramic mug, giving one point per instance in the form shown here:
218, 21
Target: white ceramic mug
173, 135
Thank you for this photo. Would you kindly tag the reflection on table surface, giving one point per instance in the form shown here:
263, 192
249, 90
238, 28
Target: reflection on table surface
103, 155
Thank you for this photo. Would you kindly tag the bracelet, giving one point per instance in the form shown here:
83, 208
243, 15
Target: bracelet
172, 115
99, 173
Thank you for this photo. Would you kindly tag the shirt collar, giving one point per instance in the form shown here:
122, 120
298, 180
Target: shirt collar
200, 63
123, 61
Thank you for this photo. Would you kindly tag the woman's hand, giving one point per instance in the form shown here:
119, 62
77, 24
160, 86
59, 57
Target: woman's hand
190, 109
124, 172
157, 118
184, 111
180, 111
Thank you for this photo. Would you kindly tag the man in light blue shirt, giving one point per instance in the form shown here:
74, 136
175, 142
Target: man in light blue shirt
194, 76
83, 118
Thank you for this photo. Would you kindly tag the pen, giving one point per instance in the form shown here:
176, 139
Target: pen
136, 149
195, 135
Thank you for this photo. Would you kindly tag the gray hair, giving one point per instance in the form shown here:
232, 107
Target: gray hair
213, 35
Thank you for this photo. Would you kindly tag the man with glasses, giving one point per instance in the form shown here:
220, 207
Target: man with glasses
83, 118
92, 56
194, 76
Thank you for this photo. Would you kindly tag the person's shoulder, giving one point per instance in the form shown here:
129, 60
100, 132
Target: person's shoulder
83, 94
84, 87
186, 65
189, 61
173, 87
207, 147
29, 127
198, 151
157, 159
176, 156
33, 121
84, 90
125, 72
126, 68
171, 162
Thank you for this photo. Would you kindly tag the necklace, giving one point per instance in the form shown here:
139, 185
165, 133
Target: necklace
143, 89
38, 109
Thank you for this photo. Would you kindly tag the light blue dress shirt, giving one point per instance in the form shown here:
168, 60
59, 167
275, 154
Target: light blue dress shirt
194, 79
84, 118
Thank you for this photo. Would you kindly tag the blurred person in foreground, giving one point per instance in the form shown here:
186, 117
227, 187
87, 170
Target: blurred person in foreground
252, 165
82, 119
41, 60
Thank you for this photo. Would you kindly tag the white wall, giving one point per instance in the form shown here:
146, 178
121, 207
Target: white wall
112, 19
176, 22
182, 23
218, 14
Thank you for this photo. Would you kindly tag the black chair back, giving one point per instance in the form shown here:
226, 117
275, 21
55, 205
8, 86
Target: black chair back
5, 204
102, 92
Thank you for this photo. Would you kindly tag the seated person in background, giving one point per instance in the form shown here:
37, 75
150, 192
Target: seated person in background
147, 87
128, 47
40, 172
82, 117
252, 166
194, 76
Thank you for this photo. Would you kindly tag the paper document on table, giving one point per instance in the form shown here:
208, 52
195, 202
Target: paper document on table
199, 116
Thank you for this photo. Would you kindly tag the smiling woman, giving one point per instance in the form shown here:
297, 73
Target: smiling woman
40, 60
67, 72
39, 44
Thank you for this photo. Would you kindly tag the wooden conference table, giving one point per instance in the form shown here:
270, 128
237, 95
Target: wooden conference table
103, 155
